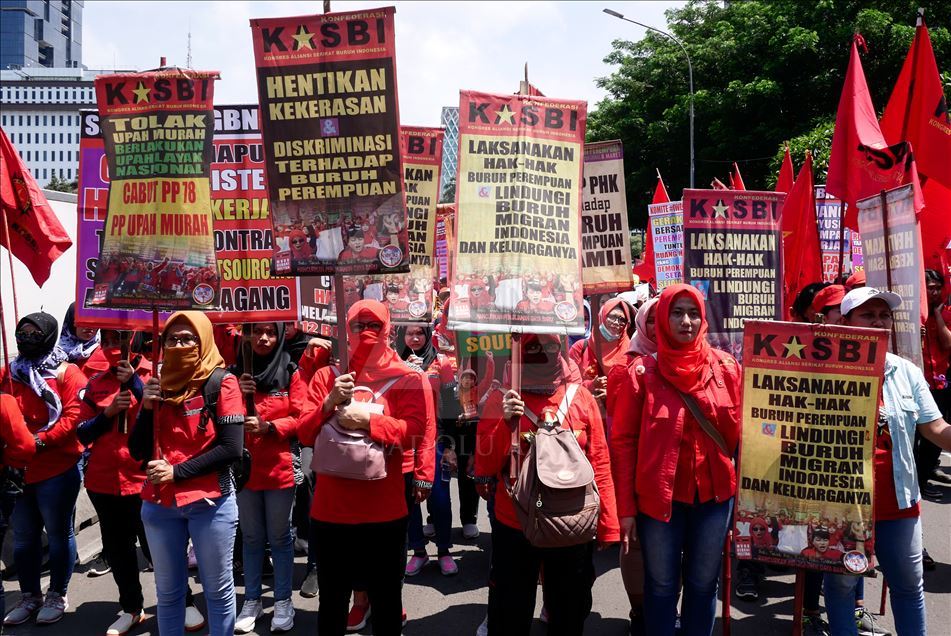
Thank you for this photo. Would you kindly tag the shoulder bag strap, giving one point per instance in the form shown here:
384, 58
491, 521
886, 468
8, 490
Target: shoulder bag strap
386, 387
705, 424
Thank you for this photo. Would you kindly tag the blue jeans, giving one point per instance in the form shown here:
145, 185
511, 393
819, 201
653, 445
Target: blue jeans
212, 529
690, 543
898, 549
440, 509
265, 517
50, 503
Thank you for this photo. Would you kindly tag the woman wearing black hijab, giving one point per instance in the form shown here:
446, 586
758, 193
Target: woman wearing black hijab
78, 343
264, 505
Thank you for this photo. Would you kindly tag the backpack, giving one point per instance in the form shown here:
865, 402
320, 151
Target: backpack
240, 468
555, 496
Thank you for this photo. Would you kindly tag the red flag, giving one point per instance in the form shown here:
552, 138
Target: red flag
934, 226
736, 179
861, 164
917, 111
802, 260
660, 191
645, 269
37, 238
716, 184
784, 182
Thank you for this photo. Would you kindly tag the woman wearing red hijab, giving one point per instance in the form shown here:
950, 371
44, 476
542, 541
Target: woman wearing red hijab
300, 246
673, 474
359, 526
611, 345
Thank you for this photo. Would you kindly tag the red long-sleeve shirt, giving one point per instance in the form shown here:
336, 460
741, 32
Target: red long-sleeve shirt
18, 445
406, 407
272, 464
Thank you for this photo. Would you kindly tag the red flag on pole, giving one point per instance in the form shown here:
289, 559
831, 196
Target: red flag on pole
917, 111
861, 164
37, 238
645, 270
660, 191
935, 226
784, 182
802, 259
716, 184
736, 179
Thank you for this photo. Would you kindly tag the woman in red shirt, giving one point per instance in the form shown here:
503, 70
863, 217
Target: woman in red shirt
360, 525
264, 505
569, 571
671, 474
189, 492
46, 388
596, 363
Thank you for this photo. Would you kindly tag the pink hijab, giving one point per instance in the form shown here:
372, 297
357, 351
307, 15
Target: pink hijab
641, 345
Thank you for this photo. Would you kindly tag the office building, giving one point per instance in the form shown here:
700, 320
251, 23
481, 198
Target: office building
41, 33
450, 146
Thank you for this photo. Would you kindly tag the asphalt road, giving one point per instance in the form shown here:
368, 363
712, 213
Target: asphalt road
456, 605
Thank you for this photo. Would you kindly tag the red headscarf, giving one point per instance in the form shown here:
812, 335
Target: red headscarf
371, 358
300, 252
612, 351
681, 364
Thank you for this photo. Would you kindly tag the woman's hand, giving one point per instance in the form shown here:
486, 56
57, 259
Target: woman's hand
255, 425
421, 494
124, 371
151, 393
342, 391
628, 533
160, 471
512, 405
317, 343
415, 359
354, 417
246, 384
450, 459
121, 402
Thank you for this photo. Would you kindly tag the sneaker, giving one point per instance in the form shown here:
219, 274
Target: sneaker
470, 530
447, 565
814, 626
940, 477
24, 610
53, 608
309, 588
543, 615
746, 585
357, 618
483, 628
124, 623
192, 559
416, 564
194, 621
251, 611
931, 492
927, 562
865, 624
283, 618
429, 531
98, 567
301, 546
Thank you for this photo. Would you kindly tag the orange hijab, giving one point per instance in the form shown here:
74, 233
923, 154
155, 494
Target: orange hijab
371, 357
185, 369
681, 364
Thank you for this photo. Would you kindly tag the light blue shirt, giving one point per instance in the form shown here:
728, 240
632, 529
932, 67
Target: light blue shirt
908, 404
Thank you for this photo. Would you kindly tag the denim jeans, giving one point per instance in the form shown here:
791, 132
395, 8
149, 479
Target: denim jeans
50, 503
898, 549
211, 524
690, 543
440, 509
265, 517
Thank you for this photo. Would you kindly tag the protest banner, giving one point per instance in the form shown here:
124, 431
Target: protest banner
330, 123
733, 256
810, 412
158, 250
409, 297
446, 221
895, 264
318, 311
242, 227
517, 265
605, 239
441, 250
667, 234
858, 260
834, 239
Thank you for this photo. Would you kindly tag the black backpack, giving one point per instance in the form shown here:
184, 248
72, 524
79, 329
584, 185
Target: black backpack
241, 467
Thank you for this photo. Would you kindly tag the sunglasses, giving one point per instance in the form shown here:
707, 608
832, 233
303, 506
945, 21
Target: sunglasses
358, 327
549, 347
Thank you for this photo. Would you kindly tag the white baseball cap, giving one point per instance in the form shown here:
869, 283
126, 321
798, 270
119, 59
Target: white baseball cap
858, 297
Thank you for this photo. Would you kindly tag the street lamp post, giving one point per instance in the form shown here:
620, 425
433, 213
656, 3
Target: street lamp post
689, 71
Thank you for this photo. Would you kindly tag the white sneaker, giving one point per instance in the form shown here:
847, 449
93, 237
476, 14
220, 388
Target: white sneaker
429, 531
124, 623
53, 608
251, 611
483, 629
194, 621
24, 609
283, 618
470, 531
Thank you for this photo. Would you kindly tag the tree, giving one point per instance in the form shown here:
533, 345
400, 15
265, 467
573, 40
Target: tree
61, 185
765, 71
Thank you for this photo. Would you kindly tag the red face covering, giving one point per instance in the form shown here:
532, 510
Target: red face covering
681, 364
371, 358
113, 355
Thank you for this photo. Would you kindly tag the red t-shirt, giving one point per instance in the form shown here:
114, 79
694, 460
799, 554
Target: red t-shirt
885, 504
272, 462
936, 358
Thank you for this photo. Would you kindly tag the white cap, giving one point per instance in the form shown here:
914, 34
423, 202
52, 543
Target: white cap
858, 297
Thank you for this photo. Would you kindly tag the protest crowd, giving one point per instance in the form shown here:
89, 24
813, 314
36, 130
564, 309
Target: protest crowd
307, 369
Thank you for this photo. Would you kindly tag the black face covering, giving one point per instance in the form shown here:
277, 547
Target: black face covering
37, 346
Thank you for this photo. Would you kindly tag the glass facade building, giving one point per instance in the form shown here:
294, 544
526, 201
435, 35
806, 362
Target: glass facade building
38, 33
450, 146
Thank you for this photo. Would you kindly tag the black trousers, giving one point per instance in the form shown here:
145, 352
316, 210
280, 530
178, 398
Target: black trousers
569, 577
927, 454
368, 555
120, 521
463, 436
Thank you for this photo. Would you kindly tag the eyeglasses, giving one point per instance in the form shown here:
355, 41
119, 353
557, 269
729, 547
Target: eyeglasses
180, 341
758, 530
298, 241
548, 347
476, 289
358, 327
617, 320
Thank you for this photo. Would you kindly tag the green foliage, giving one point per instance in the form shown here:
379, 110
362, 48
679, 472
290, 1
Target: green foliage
61, 185
765, 71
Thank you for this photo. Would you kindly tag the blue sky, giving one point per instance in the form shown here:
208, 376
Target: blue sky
441, 46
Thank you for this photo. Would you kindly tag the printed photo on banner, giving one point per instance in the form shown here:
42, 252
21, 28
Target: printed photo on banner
605, 239
157, 248
732, 254
667, 233
241, 221
896, 265
832, 235
517, 265
810, 414
318, 313
331, 129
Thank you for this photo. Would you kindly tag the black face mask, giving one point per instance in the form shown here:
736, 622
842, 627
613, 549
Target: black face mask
32, 345
39, 344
